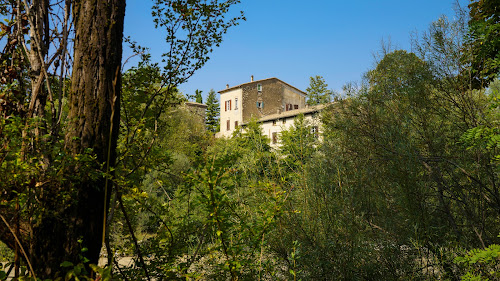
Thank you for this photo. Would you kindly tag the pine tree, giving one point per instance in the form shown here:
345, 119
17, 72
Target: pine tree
213, 110
317, 91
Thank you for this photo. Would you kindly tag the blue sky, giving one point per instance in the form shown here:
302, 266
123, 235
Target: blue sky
295, 39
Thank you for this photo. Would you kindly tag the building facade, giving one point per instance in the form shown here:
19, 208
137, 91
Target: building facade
272, 102
274, 124
256, 99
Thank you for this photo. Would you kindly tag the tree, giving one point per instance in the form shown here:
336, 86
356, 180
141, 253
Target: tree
198, 97
252, 138
212, 116
58, 158
298, 143
50, 230
400, 158
484, 32
317, 91
356, 195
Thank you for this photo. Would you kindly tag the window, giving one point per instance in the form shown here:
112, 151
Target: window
236, 104
295, 106
228, 105
235, 124
228, 125
289, 106
275, 138
314, 131
260, 104
259, 87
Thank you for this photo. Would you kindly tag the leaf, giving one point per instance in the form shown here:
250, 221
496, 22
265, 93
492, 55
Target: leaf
66, 264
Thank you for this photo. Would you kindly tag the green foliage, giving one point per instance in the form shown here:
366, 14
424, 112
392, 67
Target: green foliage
41, 179
69, 270
405, 173
317, 92
486, 137
299, 140
212, 113
212, 220
193, 29
251, 138
484, 32
297, 146
198, 96
294, 255
5, 253
402, 177
160, 141
390, 170
481, 264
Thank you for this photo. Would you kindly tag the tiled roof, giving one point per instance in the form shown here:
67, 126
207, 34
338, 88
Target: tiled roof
292, 113
259, 81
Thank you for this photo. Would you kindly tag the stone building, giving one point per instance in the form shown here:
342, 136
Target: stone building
273, 124
197, 109
256, 99
271, 101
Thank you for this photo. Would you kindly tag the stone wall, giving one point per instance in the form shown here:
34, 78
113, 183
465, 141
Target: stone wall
197, 109
291, 96
271, 95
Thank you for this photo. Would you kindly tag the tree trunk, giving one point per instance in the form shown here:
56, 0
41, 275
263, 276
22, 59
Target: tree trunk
93, 122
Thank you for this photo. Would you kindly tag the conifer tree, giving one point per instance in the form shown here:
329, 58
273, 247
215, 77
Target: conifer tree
213, 110
317, 91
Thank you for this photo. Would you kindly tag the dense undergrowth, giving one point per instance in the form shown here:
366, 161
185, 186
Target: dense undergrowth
401, 184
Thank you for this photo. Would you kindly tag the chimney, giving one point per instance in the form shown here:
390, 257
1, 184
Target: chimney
251, 78
227, 86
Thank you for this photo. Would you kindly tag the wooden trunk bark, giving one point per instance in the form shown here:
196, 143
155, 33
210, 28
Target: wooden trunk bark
93, 122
